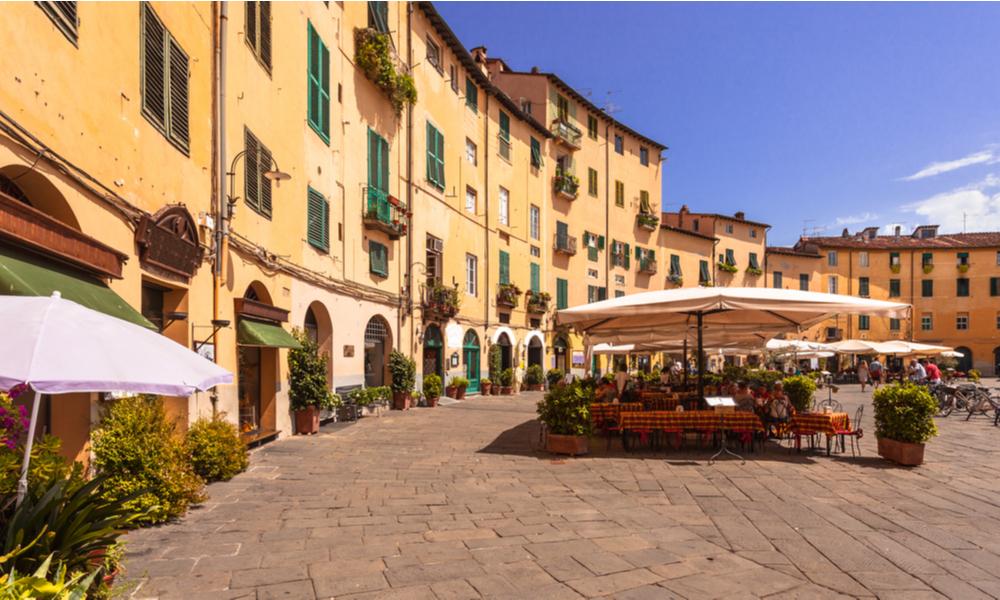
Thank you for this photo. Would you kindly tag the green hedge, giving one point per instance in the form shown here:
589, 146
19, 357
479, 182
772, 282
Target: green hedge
216, 450
905, 412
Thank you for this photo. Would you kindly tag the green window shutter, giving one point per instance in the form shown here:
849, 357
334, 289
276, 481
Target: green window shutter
471, 94
703, 275
753, 261
319, 85
435, 156
536, 153
627, 257
600, 242
730, 257
378, 259
439, 156
994, 286
592, 254
178, 89
257, 188
536, 278
378, 16
602, 293
318, 226
378, 162
863, 286
562, 294
504, 126
265, 33
927, 259
265, 184
675, 265
504, 267
562, 229
154, 68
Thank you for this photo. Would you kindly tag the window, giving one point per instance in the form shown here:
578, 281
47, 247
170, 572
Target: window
504, 267
703, 274
998, 258
152, 304
644, 156
504, 136
863, 259
453, 73
434, 55
619, 280
619, 194
592, 182
619, 293
963, 258
318, 225
378, 176
831, 284
994, 286
504, 206
753, 264
893, 324
894, 260
962, 286
471, 95
470, 200
777, 276
753, 233
433, 261
926, 322
730, 257
592, 127
590, 241
319, 85
536, 153
534, 222
63, 16
675, 266
729, 228
894, 288
927, 288
562, 108
526, 106
619, 144
863, 290
257, 187
258, 31
378, 259
804, 282
471, 152
536, 278
435, 156
378, 16
864, 323
536, 251
471, 275
596, 293
164, 79
962, 321
620, 254
998, 320
644, 203
562, 294
694, 225
927, 259
831, 258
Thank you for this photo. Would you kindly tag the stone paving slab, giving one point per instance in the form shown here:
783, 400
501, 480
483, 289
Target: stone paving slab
457, 502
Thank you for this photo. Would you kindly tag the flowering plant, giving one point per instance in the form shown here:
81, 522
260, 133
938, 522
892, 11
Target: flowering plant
13, 419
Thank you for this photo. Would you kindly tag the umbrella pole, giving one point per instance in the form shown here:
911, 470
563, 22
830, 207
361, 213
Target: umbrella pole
701, 360
684, 360
22, 484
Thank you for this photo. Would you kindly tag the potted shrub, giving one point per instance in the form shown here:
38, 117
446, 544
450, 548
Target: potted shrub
308, 392
404, 376
432, 389
485, 386
507, 381
800, 390
533, 378
554, 376
904, 420
460, 384
565, 411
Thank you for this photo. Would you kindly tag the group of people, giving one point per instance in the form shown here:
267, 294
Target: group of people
770, 405
922, 370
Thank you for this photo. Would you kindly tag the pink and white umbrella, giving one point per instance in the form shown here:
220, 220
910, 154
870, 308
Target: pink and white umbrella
56, 346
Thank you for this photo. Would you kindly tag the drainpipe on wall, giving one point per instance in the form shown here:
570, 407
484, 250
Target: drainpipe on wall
712, 261
486, 229
409, 191
911, 296
221, 223
607, 213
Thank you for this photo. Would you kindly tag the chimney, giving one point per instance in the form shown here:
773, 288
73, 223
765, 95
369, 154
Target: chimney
535, 70
479, 54
845, 233
740, 215
869, 233
898, 228
683, 212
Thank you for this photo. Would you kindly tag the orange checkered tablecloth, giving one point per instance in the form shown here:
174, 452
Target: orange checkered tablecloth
603, 411
669, 420
828, 423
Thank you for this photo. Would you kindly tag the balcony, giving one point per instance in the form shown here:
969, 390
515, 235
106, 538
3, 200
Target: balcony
507, 295
566, 134
384, 213
566, 185
565, 244
647, 221
647, 266
438, 300
537, 302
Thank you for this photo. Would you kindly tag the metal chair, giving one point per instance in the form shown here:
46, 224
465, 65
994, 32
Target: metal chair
854, 431
830, 403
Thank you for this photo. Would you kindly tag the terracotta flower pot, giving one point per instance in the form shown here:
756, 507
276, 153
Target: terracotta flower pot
485, 388
307, 421
574, 445
903, 453
432, 402
401, 400
534, 387
451, 391
461, 393
506, 390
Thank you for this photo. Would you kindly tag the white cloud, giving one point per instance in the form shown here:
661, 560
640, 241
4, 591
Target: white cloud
978, 158
974, 207
865, 217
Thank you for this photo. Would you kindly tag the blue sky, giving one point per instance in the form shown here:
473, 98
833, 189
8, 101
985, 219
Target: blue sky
846, 115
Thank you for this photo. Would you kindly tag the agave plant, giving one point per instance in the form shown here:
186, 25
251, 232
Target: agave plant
40, 585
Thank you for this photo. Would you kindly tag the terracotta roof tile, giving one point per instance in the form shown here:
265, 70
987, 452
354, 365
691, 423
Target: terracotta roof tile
791, 251
983, 239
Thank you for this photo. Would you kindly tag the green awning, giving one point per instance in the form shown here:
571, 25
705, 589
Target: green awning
270, 335
24, 274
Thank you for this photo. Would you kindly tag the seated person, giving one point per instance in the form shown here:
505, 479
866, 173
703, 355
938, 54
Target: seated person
743, 398
606, 391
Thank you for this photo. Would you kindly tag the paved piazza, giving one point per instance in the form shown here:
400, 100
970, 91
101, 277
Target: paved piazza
455, 502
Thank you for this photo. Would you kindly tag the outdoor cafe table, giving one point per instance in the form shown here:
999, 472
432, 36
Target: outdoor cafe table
821, 423
609, 411
689, 420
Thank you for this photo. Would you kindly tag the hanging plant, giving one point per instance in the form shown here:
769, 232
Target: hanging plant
728, 268
754, 271
372, 55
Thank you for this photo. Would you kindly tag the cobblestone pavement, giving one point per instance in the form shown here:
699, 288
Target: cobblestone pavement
455, 502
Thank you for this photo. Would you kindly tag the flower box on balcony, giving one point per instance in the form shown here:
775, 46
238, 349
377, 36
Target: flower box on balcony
384, 213
928, 269
676, 280
647, 221
441, 300
567, 134
566, 185
754, 271
726, 267
564, 244
895, 268
963, 268
537, 302
647, 266
507, 295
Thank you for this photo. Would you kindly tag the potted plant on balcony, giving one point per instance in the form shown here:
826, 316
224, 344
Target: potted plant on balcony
895, 268
647, 221
308, 393
432, 389
904, 421
507, 294
963, 268
567, 184
485, 386
754, 271
538, 302
507, 381
534, 378
565, 411
675, 280
728, 268
404, 376
928, 268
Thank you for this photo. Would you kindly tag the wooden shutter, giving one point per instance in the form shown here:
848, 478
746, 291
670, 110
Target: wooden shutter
251, 24
179, 131
154, 68
378, 16
265, 33
627, 256
265, 183
324, 90
319, 84
251, 177
602, 293
703, 275
562, 293
312, 49
378, 259
504, 126
318, 225
536, 278
504, 267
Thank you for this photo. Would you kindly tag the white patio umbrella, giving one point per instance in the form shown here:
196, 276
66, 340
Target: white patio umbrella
791, 346
952, 354
57, 346
741, 311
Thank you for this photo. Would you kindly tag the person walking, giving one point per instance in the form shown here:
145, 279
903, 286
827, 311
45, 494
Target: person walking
875, 371
863, 374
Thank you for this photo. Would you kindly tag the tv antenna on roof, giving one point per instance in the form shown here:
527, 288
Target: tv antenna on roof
610, 107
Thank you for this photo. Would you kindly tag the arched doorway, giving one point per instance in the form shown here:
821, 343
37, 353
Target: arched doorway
506, 351
433, 351
378, 345
536, 352
560, 348
257, 372
470, 356
34, 189
319, 329
965, 362
996, 361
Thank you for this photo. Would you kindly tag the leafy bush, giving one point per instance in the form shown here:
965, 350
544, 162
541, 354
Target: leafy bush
459, 382
485, 381
145, 464
974, 375
554, 376
404, 372
565, 409
307, 368
372, 55
905, 412
507, 377
494, 361
432, 385
764, 377
47, 466
800, 390
216, 450
534, 375
42, 586
368, 396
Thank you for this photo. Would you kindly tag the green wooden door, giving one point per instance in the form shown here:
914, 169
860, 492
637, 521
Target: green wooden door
470, 356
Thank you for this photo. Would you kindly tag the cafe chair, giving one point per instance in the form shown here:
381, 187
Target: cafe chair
853, 431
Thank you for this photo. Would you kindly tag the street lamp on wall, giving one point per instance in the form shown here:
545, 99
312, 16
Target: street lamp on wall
276, 175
